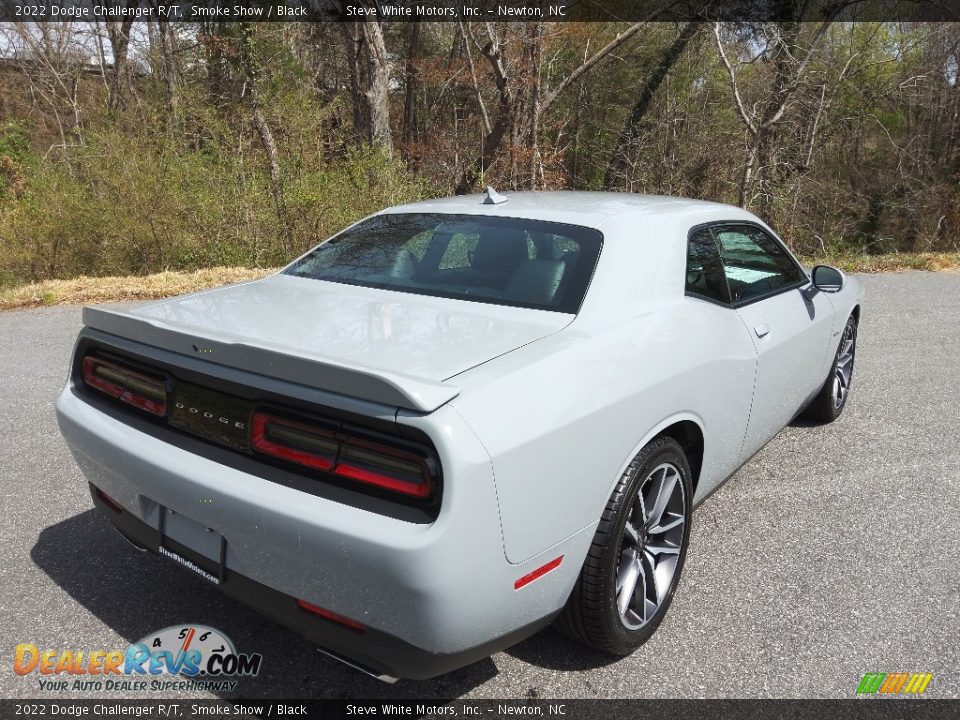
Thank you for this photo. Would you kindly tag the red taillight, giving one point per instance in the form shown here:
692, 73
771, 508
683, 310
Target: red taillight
127, 385
331, 616
294, 441
384, 466
344, 455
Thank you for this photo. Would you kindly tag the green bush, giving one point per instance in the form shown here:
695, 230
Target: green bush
124, 205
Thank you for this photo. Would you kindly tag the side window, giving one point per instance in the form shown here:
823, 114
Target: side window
705, 277
754, 262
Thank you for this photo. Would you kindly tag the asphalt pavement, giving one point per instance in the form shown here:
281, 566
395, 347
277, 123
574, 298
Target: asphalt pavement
834, 552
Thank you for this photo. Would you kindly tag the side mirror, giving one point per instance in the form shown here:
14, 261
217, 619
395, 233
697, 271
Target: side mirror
827, 279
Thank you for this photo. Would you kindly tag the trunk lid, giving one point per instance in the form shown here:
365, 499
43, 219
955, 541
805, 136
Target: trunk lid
385, 346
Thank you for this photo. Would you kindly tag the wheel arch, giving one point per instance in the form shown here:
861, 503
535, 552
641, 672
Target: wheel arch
689, 436
687, 429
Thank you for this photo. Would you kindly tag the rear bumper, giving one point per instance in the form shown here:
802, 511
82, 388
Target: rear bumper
375, 652
432, 597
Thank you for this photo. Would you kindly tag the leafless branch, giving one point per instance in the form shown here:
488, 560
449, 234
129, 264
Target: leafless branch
733, 82
599, 55
476, 86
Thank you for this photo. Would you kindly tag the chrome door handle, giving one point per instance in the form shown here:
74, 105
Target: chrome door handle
761, 330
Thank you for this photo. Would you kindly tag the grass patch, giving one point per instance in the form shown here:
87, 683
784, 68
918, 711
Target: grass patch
90, 290
893, 262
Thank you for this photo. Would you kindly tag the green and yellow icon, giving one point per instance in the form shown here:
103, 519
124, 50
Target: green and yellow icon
900, 683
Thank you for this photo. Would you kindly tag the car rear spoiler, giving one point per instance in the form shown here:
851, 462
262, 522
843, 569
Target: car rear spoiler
314, 371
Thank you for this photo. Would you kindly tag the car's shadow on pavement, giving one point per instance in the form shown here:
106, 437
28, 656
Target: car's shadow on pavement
137, 593
554, 651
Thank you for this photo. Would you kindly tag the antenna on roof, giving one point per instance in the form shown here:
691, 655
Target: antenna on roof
493, 197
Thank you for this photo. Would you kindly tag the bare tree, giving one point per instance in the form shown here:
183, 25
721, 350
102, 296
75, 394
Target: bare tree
171, 65
378, 91
789, 60
118, 31
251, 71
491, 142
369, 81
410, 89
529, 127
52, 64
620, 157
506, 117
353, 43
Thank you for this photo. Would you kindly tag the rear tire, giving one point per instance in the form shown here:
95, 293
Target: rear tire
832, 398
634, 563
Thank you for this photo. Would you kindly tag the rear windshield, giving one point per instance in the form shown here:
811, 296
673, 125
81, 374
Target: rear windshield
506, 261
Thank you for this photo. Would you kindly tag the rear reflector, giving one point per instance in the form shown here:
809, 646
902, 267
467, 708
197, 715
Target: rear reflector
109, 501
322, 448
125, 384
538, 573
331, 616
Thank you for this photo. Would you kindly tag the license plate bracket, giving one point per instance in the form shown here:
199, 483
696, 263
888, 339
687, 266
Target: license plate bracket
207, 549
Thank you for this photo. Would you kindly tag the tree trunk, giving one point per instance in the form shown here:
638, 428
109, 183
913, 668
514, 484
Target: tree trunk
378, 91
492, 141
101, 55
760, 173
273, 165
353, 39
251, 70
759, 178
491, 145
153, 39
410, 95
534, 57
171, 68
369, 83
216, 61
620, 159
120, 81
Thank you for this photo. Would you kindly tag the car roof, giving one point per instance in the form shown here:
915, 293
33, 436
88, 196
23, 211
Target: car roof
568, 206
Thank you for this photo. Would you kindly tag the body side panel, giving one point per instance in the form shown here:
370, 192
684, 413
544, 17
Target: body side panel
563, 417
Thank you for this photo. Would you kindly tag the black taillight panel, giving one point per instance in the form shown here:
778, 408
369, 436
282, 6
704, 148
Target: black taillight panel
317, 442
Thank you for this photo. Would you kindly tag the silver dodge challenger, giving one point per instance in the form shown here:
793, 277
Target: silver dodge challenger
459, 420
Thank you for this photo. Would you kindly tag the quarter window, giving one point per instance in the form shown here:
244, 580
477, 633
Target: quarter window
705, 275
754, 263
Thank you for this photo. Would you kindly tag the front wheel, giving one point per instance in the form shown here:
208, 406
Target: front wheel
832, 398
634, 563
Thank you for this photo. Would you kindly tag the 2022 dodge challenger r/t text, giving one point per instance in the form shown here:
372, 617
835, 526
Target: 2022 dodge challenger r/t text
461, 419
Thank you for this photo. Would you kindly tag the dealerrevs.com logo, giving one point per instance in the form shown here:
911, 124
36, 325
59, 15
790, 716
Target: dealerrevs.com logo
203, 658
898, 683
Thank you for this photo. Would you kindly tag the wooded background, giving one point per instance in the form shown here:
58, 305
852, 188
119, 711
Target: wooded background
134, 147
